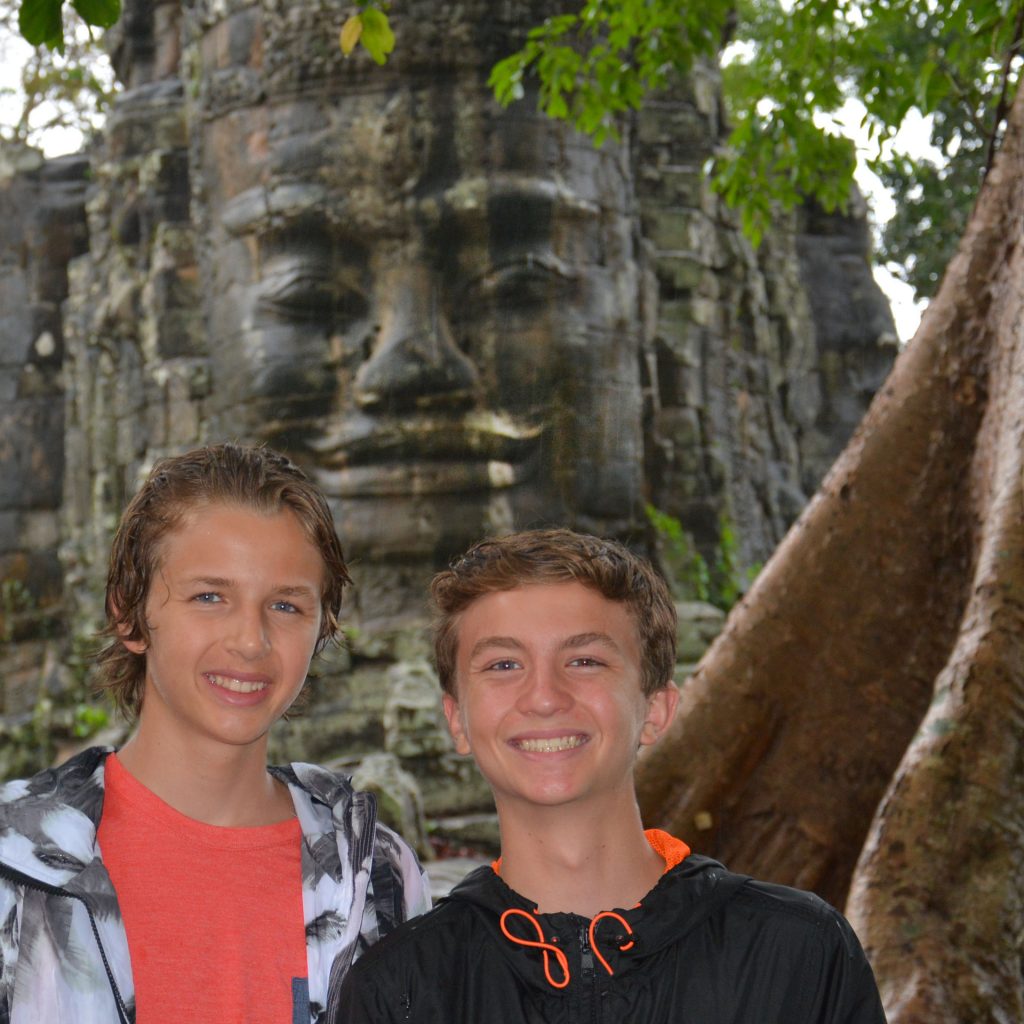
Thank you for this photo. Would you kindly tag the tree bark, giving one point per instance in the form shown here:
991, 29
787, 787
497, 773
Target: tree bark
938, 897
899, 595
796, 719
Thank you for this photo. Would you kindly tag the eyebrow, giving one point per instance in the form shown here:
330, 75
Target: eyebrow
222, 583
300, 591
510, 643
583, 639
209, 581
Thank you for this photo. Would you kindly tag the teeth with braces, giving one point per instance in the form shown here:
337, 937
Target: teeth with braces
553, 745
236, 685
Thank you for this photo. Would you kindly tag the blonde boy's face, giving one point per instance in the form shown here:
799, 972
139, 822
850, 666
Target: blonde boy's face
233, 616
549, 698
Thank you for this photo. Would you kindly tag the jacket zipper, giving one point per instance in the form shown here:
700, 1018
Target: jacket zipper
18, 878
591, 1008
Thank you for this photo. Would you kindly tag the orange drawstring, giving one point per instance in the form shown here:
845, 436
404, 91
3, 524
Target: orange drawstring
593, 941
541, 944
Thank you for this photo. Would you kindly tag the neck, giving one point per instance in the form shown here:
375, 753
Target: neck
581, 862
208, 782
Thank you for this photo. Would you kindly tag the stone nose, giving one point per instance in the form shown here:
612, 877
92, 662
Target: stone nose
415, 361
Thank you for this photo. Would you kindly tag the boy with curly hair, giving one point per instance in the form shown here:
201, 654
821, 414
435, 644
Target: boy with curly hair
555, 653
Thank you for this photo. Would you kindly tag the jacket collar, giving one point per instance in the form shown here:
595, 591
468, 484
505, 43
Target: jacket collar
48, 823
684, 897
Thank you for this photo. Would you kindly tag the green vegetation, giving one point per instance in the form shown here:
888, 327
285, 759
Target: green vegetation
69, 714
790, 67
794, 67
16, 601
958, 62
42, 21
70, 86
369, 27
691, 578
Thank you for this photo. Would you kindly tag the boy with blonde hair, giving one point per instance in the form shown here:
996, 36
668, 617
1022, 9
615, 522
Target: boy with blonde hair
178, 878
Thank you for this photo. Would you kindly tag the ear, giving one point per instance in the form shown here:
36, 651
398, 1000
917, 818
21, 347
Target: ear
661, 711
123, 629
456, 726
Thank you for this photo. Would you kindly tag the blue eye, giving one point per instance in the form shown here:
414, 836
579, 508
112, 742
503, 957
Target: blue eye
504, 665
285, 606
207, 598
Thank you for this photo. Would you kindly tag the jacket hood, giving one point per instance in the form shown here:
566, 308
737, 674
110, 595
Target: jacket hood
684, 897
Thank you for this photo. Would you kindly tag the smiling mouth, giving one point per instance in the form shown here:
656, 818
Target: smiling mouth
236, 685
551, 745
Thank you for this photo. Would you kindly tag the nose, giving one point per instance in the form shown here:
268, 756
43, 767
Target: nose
415, 360
249, 636
544, 692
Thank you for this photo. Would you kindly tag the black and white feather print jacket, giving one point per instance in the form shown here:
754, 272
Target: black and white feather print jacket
63, 950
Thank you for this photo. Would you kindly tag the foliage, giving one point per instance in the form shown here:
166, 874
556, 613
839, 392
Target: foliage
797, 65
42, 21
600, 63
933, 199
69, 86
16, 600
958, 62
370, 28
688, 573
65, 717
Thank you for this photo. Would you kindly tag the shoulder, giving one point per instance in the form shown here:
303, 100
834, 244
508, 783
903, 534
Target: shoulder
413, 961
793, 910
429, 938
439, 935
755, 913
48, 823
75, 781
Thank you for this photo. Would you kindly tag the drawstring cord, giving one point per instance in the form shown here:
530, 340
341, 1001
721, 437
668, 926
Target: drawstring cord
593, 943
547, 948
541, 944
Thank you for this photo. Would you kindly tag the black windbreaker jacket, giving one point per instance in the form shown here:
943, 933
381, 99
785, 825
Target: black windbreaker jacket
706, 947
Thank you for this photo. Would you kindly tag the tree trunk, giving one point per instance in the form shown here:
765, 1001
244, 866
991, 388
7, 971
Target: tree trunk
938, 896
795, 721
901, 585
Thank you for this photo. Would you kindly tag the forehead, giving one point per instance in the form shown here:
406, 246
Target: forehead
237, 530
543, 615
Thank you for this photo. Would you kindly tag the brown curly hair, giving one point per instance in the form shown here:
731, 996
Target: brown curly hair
558, 556
256, 478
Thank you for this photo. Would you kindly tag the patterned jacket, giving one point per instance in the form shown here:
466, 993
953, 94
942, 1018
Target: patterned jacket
63, 948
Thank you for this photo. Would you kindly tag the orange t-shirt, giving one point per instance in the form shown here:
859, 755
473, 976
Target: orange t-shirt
213, 915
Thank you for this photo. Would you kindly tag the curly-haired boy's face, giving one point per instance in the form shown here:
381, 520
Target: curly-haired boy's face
549, 699
233, 615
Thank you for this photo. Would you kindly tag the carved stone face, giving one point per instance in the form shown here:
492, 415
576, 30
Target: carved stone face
430, 302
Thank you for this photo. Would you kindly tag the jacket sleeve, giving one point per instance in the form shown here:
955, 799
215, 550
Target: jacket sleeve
844, 990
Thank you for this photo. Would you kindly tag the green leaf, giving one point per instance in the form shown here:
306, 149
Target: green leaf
40, 22
101, 13
378, 40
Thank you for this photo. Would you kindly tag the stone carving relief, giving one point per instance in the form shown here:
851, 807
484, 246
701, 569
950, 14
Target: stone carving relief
460, 319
